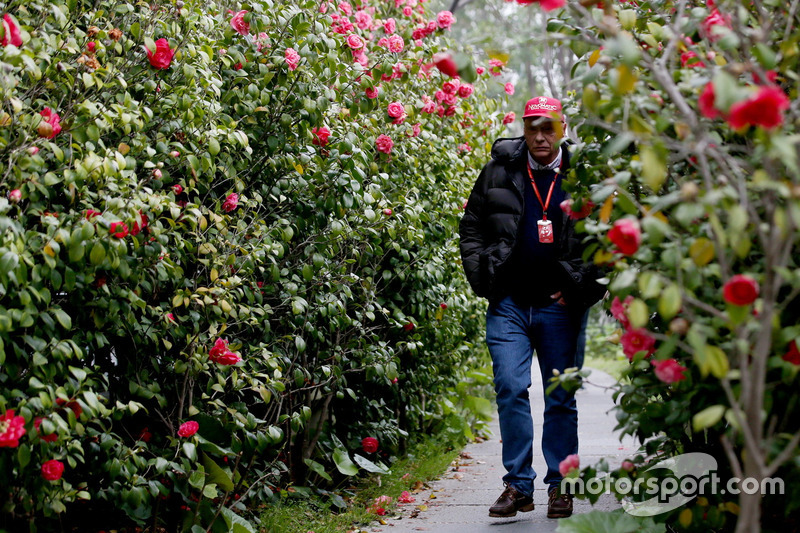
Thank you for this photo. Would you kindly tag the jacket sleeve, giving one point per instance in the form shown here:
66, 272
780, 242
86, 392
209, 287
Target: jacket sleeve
473, 236
582, 291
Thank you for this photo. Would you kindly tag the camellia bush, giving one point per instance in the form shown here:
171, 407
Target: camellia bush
227, 261
687, 122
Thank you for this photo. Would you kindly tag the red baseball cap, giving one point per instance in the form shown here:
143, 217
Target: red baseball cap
543, 106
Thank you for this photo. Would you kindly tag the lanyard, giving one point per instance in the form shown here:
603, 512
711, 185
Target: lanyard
546, 203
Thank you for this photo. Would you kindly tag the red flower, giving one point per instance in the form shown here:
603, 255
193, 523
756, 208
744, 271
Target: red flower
145, 435
464, 91
583, 212
714, 19
637, 340
52, 470
547, 5
669, 371
764, 109
510, 117
409, 326
740, 290
793, 355
706, 102
119, 230
136, 224
292, 58
384, 143
509, 88
72, 404
570, 463
52, 437
320, 135
50, 126
161, 58
495, 67
238, 23
221, 355
690, 59
405, 497
91, 213
369, 444
446, 65
188, 429
626, 235
177, 189
619, 310
12, 428
231, 202
11, 32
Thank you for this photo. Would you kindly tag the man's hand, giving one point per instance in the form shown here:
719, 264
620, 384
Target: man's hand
559, 298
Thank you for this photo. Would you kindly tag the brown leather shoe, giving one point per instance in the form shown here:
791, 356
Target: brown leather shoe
510, 502
559, 505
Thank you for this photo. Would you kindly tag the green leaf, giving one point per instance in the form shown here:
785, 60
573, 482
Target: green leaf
23, 455
190, 450
98, 254
318, 468
670, 301
236, 523
63, 318
616, 521
708, 417
343, 462
198, 477
217, 475
369, 466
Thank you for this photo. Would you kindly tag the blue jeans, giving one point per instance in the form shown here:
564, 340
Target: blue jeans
513, 333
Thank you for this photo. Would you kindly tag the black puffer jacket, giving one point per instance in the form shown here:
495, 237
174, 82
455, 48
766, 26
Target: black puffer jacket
490, 226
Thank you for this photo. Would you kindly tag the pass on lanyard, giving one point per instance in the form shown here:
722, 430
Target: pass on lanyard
545, 226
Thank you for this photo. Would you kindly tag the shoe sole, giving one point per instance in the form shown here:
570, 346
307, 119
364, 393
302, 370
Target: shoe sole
559, 515
524, 509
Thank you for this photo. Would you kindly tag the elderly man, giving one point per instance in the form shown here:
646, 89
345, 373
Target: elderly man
519, 250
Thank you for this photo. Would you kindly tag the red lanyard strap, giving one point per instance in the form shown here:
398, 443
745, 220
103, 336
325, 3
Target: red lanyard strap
546, 203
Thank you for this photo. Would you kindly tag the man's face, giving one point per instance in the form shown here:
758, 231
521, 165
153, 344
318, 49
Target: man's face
542, 136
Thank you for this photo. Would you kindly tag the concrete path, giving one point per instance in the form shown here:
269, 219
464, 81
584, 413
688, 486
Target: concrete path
459, 501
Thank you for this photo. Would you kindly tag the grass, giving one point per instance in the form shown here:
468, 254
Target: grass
426, 460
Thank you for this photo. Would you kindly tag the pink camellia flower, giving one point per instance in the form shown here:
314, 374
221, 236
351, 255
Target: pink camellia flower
396, 109
346, 8
157, 174
177, 189
320, 136
509, 88
118, 230
406, 497
371, 92
466, 90
765, 109
496, 67
91, 46
510, 117
741, 289
363, 20
342, 26
463, 147
792, 355
407, 11
188, 429
619, 310
428, 105
690, 59
669, 371
389, 26
369, 444
33, 150
175, 153
11, 33
451, 86
50, 126
238, 23
384, 143
626, 235
387, 212
628, 466
415, 130
52, 470
444, 19
170, 318
292, 58
570, 463
161, 57
12, 428
220, 354
708, 28
480, 70
231, 202
637, 340
354, 41
706, 102
396, 44
583, 212
14, 196
383, 42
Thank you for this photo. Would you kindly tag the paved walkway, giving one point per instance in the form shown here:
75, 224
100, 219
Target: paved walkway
459, 501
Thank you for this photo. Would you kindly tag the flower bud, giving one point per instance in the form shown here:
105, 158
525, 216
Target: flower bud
33, 150
15, 196
679, 326
45, 129
157, 173
689, 191
175, 153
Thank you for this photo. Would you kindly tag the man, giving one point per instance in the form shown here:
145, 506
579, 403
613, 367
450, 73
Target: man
519, 250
